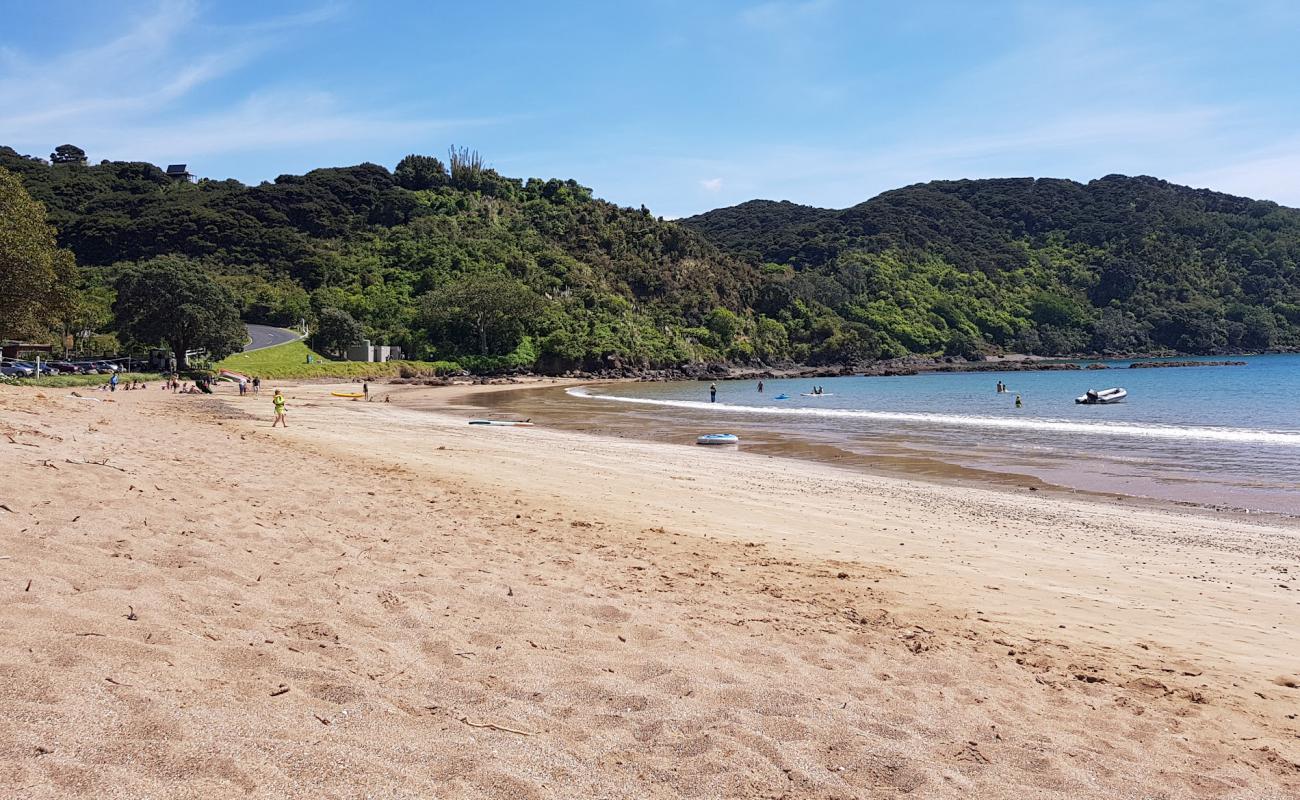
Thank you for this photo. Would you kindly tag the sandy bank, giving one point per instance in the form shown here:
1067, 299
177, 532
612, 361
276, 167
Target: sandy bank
638, 620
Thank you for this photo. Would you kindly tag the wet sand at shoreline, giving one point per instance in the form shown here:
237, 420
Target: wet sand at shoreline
894, 456
381, 601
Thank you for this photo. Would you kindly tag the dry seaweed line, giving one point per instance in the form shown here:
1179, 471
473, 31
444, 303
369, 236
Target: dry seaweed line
103, 463
495, 727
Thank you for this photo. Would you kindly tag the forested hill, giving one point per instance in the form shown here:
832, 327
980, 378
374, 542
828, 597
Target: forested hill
1042, 265
444, 259
455, 261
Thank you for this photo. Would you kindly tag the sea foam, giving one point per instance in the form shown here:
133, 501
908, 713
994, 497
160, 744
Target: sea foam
1147, 431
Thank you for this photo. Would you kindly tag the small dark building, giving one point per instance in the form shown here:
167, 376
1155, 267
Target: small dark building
179, 173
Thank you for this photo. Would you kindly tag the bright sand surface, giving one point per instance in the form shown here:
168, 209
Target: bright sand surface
386, 602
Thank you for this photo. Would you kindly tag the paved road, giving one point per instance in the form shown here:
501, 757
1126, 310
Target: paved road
261, 336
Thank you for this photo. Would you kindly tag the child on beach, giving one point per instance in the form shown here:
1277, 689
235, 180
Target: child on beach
278, 400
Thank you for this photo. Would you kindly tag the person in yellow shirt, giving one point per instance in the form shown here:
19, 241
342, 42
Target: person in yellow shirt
278, 400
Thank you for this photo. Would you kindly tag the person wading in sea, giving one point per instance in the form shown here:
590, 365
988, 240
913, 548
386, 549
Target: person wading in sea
713, 393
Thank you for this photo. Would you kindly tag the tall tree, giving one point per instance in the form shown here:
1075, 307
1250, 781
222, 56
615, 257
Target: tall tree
420, 172
486, 312
336, 329
36, 277
68, 154
172, 299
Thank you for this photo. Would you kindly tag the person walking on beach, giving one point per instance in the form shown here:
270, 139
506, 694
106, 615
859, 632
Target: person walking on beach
713, 393
243, 386
278, 401
257, 385
112, 383
365, 390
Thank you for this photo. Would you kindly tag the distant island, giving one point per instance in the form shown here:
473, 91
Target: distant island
453, 261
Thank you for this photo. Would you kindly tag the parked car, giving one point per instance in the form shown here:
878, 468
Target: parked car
65, 367
17, 369
108, 366
46, 367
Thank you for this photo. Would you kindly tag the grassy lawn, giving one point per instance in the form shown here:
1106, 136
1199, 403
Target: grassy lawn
61, 381
289, 360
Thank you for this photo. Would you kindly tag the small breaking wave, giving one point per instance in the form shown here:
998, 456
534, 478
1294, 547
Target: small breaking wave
1146, 431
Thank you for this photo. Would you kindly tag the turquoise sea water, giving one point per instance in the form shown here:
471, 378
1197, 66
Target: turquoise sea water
1215, 435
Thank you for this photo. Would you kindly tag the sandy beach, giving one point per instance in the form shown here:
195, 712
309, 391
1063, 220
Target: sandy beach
382, 601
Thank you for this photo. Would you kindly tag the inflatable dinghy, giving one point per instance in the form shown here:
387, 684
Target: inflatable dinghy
1102, 397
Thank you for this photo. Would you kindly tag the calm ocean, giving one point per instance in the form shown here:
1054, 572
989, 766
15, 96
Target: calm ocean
1219, 436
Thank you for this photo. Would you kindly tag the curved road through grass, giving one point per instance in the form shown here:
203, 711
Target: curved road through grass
262, 336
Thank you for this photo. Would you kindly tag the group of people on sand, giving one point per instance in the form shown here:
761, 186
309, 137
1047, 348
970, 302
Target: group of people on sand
113, 383
174, 383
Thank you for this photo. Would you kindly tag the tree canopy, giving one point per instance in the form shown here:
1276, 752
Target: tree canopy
173, 300
1045, 266
480, 312
1041, 265
36, 277
335, 330
68, 154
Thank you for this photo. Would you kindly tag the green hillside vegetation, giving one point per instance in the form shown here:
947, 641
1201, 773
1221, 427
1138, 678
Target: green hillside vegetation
454, 262
448, 261
1042, 266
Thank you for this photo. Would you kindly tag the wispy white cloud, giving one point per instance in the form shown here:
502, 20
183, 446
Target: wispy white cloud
842, 176
122, 74
133, 97
273, 121
1069, 94
1268, 174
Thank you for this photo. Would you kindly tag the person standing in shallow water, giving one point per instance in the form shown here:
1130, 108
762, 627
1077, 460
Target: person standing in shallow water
713, 393
278, 401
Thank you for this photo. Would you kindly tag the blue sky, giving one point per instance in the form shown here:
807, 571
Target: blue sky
683, 106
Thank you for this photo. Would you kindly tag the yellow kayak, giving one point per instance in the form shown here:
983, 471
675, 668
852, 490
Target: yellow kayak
353, 395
